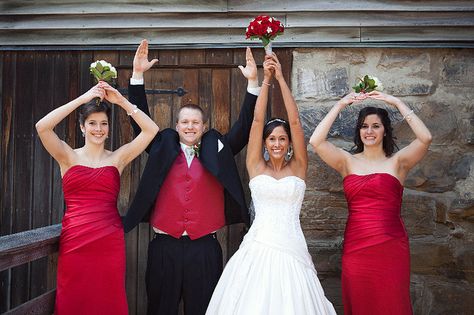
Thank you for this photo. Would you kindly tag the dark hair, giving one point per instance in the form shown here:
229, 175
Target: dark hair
194, 107
272, 124
90, 108
388, 143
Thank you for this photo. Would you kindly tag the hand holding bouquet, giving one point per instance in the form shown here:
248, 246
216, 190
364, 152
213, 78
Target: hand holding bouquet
265, 28
101, 70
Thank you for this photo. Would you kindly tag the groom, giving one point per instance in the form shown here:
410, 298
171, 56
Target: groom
190, 188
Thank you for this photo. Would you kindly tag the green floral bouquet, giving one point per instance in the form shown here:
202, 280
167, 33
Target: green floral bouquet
101, 70
368, 84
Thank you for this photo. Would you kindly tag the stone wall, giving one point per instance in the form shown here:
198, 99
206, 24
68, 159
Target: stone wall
438, 200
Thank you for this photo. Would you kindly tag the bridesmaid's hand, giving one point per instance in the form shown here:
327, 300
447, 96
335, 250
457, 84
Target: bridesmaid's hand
96, 91
352, 98
387, 98
111, 94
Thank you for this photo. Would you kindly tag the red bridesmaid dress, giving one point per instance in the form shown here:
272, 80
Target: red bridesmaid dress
376, 253
91, 262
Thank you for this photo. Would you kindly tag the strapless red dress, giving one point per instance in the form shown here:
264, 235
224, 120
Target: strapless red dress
91, 262
376, 253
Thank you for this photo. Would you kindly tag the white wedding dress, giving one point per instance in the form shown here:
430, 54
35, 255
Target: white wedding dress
272, 272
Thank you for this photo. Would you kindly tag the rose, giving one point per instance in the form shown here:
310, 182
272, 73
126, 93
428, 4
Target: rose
101, 70
265, 28
368, 84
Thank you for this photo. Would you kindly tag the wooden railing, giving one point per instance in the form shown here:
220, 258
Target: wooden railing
20, 248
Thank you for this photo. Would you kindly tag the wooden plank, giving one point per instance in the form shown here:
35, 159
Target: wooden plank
61, 96
190, 84
205, 93
113, 37
23, 162
161, 107
410, 34
379, 19
118, 6
220, 113
109, 20
7, 144
19, 7
239, 21
41, 208
23, 247
199, 38
269, 6
41, 305
165, 57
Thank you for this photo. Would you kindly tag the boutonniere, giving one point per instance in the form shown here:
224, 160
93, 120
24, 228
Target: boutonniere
196, 148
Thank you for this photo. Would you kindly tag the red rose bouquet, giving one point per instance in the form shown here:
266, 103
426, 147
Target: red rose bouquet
265, 28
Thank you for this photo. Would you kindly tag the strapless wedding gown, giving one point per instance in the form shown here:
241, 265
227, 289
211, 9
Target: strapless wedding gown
272, 272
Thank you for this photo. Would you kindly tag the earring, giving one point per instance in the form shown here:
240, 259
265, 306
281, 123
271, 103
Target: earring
289, 154
266, 156
83, 134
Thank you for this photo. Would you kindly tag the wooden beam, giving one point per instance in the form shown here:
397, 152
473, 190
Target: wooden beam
17, 249
41, 305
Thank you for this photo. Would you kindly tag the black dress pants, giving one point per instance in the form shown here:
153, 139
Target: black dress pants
182, 268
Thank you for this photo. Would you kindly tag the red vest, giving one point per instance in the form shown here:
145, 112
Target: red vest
191, 199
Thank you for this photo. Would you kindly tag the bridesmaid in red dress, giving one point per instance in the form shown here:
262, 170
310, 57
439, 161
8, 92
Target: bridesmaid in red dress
91, 262
376, 254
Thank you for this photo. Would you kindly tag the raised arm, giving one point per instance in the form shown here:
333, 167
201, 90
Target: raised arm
410, 155
238, 135
59, 149
254, 160
299, 162
126, 153
137, 95
329, 153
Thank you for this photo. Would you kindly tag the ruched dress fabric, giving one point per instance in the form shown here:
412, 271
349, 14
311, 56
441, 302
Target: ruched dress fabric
272, 271
376, 253
91, 262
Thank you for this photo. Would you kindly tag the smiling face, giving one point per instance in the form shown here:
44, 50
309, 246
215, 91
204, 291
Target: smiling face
96, 128
277, 143
372, 131
190, 126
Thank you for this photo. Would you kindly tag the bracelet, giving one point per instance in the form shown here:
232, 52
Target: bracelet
134, 110
407, 116
266, 83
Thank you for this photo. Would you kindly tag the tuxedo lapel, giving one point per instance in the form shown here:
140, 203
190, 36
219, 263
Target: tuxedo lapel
209, 154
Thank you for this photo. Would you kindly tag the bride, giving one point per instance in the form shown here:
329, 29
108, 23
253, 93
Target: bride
272, 272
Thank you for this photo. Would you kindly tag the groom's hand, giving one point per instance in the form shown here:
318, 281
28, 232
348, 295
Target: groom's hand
250, 69
140, 61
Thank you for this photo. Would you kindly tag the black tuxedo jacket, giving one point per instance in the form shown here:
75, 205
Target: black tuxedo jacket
216, 155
